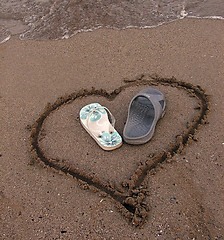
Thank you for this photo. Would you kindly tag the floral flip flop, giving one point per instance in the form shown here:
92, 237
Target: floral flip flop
94, 119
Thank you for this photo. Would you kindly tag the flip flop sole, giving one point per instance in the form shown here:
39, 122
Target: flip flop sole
109, 140
101, 145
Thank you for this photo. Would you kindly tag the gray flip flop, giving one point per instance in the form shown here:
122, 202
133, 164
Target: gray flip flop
145, 109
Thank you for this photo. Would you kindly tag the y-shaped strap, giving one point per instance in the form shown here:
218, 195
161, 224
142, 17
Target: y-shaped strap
97, 109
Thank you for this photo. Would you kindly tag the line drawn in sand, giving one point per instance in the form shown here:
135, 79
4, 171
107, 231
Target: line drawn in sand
131, 194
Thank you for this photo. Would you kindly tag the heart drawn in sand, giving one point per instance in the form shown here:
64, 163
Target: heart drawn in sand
130, 192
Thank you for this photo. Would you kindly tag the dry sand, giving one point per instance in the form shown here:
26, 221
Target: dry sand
186, 196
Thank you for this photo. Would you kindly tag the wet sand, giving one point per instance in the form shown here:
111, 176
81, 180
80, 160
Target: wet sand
185, 194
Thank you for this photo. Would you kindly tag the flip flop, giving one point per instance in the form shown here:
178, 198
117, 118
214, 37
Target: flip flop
94, 119
145, 109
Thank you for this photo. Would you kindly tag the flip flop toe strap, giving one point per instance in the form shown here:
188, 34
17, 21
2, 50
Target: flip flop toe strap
97, 109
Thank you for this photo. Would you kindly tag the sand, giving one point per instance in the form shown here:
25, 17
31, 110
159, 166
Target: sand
185, 195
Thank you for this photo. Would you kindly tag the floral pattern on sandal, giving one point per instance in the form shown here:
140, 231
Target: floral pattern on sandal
94, 118
110, 139
93, 110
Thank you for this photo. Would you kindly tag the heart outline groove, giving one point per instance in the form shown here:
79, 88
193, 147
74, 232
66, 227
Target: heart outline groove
130, 195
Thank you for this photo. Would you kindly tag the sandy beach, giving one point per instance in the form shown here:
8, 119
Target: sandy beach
185, 195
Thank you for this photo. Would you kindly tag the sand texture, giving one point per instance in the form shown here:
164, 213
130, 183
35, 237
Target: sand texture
56, 183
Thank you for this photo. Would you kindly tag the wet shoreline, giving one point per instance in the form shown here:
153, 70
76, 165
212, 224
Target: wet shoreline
46, 19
